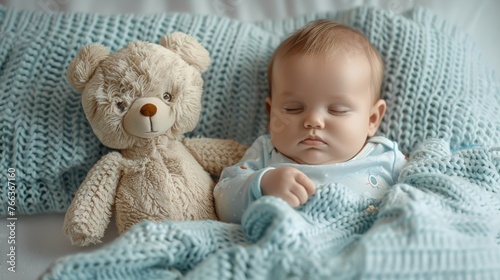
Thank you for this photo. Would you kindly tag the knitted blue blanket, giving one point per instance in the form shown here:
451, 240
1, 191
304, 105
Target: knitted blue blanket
440, 222
437, 85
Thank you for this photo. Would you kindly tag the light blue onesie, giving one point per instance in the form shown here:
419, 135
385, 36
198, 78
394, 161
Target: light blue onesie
369, 173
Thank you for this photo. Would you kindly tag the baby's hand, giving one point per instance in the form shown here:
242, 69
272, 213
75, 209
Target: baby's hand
289, 184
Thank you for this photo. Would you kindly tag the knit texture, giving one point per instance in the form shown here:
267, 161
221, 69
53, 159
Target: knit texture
440, 222
215, 154
436, 85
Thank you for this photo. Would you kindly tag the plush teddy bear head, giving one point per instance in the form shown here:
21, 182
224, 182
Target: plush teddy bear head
141, 91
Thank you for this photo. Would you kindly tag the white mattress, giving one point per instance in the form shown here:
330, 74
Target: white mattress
39, 238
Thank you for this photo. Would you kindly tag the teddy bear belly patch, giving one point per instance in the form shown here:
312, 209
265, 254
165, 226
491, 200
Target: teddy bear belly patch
154, 193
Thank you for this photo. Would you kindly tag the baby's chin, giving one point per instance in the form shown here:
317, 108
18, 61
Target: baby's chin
317, 158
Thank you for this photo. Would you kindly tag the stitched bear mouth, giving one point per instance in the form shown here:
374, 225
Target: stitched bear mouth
151, 125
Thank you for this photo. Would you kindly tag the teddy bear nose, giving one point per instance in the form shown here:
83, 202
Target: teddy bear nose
148, 110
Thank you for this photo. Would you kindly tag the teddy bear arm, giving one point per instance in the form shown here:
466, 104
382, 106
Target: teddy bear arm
90, 211
215, 154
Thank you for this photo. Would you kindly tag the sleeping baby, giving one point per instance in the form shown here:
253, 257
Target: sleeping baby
324, 110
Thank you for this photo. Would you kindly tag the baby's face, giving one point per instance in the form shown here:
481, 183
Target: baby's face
322, 108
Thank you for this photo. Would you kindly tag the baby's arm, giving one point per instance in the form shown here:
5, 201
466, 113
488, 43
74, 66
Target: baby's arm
248, 180
239, 185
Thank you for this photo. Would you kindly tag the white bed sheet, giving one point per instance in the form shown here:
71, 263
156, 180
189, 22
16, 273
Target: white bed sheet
39, 238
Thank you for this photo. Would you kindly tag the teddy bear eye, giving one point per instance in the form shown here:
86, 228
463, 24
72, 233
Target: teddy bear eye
121, 105
167, 96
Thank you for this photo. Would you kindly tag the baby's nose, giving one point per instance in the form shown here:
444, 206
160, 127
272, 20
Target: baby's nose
314, 120
148, 110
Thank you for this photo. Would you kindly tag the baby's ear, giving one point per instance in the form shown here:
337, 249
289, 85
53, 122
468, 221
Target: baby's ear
188, 48
376, 114
83, 66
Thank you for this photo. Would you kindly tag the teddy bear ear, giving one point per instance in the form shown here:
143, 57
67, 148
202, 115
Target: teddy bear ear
188, 48
82, 67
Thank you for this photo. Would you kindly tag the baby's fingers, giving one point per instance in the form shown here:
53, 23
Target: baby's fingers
291, 199
307, 183
300, 193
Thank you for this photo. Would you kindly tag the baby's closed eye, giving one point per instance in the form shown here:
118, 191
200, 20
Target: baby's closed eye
339, 110
293, 108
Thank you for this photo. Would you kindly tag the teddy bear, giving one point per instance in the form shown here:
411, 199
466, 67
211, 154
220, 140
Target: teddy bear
139, 101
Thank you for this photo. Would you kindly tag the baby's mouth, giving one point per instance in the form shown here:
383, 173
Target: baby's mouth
313, 140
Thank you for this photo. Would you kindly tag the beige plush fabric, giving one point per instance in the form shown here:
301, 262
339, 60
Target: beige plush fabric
140, 100
215, 154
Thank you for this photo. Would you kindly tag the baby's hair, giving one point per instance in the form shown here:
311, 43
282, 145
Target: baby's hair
328, 37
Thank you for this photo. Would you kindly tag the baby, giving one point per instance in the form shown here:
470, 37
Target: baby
325, 108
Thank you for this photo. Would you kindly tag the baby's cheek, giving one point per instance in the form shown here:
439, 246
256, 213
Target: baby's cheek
278, 122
